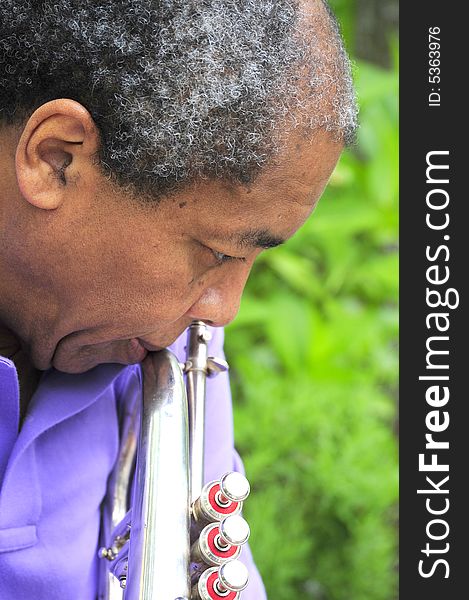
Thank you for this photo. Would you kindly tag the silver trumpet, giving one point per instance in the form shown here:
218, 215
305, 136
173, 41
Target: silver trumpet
182, 538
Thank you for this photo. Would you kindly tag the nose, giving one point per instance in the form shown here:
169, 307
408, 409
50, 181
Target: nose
218, 304
213, 309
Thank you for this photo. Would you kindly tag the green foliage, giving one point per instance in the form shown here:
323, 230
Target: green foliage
314, 375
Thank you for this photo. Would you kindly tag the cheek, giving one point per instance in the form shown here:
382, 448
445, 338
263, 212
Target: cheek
155, 290
135, 283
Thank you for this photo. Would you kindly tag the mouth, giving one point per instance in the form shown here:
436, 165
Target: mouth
73, 354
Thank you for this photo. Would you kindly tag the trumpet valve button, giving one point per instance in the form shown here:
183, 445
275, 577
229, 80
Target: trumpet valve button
234, 530
233, 576
235, 486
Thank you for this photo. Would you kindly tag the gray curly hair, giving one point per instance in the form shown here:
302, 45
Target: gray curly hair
180, 89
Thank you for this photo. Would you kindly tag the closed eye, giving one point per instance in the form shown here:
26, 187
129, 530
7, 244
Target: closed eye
225, 258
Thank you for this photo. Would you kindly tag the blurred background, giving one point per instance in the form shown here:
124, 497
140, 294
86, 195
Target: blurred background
314, 356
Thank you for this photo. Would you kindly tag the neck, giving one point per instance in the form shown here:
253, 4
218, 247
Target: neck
27, 311
28, 375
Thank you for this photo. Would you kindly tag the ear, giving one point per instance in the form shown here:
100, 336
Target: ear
55, 149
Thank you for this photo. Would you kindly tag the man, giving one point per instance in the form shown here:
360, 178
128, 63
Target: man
149, 151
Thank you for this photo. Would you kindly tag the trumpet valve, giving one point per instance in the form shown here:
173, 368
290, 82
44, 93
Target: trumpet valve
224, 583
220, 542
222, 498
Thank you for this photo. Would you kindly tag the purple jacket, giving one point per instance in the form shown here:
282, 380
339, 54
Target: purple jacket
53, 474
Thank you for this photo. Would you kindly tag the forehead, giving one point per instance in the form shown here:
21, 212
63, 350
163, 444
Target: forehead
270, 209
259, 215
303, 167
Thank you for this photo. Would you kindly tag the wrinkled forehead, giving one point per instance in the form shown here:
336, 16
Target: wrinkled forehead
264, 213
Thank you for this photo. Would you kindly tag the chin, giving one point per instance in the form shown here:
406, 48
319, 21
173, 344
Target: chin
74, 365
81, 360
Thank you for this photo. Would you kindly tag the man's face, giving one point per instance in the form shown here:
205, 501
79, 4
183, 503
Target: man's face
111, 278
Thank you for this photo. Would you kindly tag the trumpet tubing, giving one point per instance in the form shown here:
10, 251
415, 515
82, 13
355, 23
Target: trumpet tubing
184, 537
